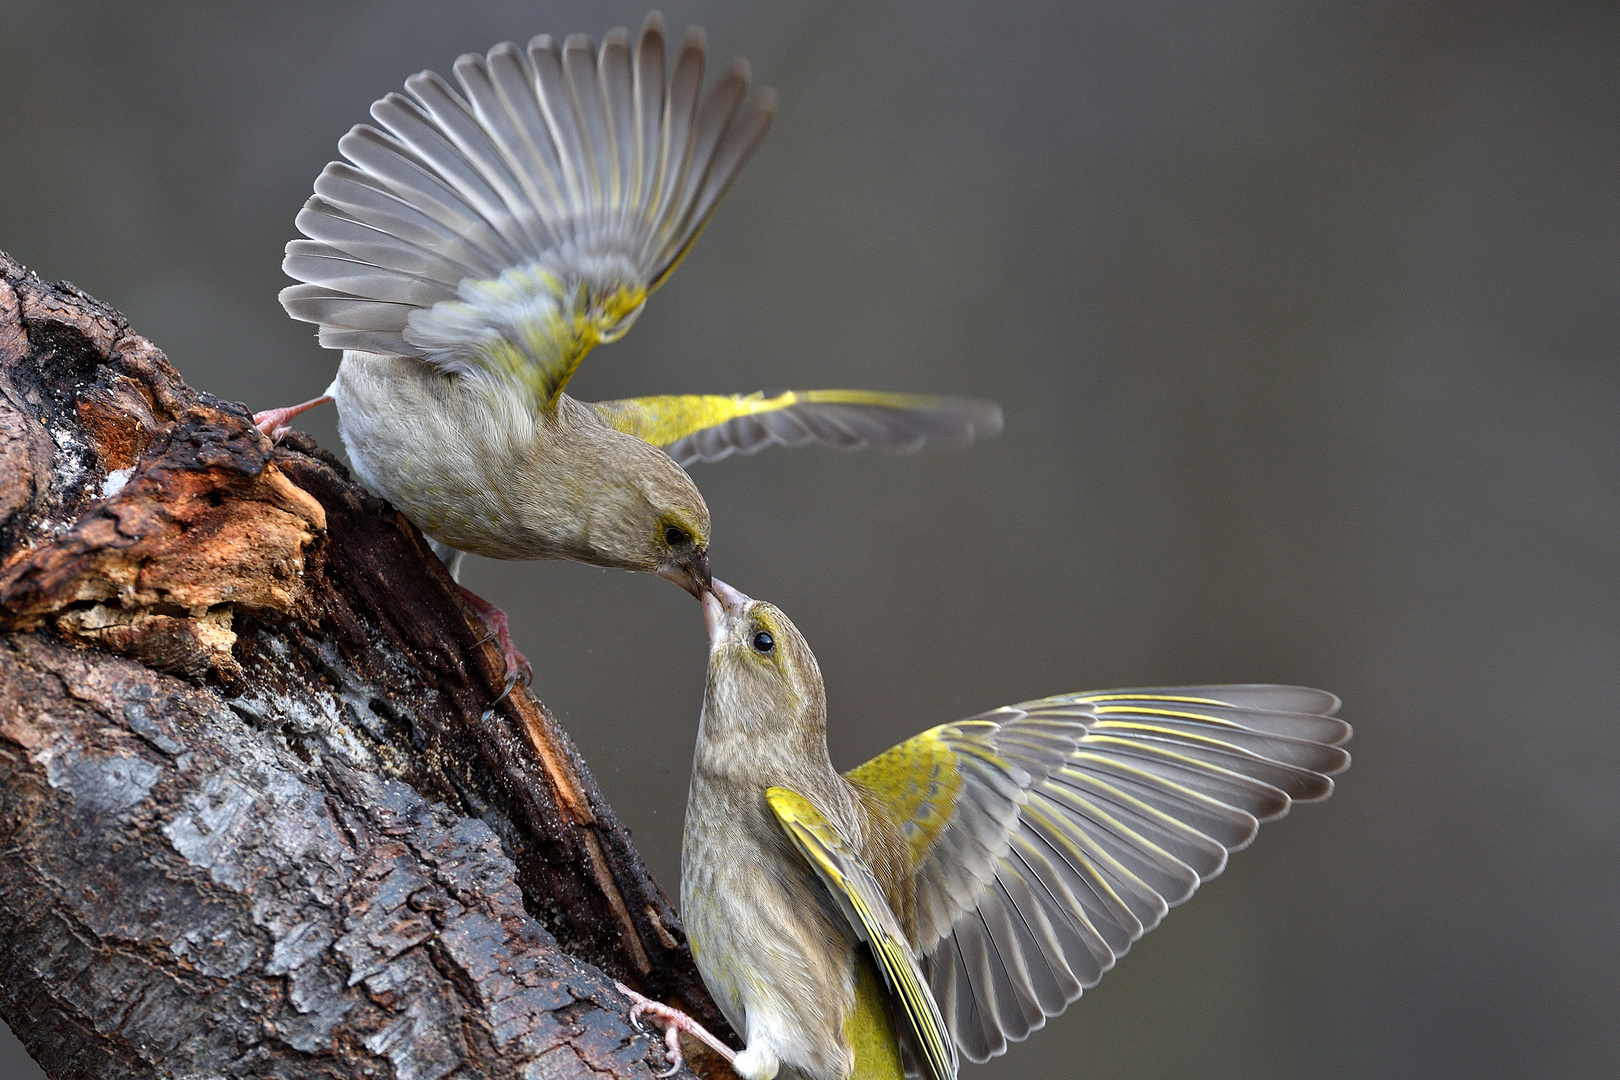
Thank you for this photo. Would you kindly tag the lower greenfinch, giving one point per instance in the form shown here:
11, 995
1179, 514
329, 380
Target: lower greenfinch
952, 893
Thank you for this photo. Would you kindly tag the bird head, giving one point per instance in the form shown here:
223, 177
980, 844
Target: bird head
645, 514
764, 681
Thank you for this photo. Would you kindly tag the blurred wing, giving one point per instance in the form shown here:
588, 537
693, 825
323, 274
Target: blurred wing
708, 427
860, 898
1048, 836
460, 227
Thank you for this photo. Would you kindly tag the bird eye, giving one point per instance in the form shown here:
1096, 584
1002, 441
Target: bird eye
763, 642
675, 537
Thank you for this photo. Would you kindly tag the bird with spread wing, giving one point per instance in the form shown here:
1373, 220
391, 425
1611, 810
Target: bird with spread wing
477, 243
951, 894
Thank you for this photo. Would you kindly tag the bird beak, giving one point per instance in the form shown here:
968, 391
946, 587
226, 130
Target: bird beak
722, 605
690, 572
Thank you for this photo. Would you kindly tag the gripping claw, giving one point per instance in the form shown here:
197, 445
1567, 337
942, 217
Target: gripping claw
673, 1022
495, 620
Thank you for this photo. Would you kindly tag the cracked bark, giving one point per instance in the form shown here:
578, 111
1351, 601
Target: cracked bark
259, 815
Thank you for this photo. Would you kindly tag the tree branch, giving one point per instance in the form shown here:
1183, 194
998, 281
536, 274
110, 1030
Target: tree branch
258, 812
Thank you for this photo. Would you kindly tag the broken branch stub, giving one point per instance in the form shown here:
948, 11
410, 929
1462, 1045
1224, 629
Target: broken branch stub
258, 813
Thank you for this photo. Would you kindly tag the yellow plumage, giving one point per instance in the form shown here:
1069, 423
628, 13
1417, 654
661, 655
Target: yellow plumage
918, 782
667, 418
869, 1027
844, 418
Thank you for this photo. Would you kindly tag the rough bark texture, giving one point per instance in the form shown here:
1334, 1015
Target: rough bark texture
259, 814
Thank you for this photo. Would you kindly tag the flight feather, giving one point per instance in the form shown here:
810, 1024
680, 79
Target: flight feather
1049, 836
504, 225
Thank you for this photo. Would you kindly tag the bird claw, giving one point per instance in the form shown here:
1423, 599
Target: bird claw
273, 422
672, 1048
518, 668
674, 1022
514, 675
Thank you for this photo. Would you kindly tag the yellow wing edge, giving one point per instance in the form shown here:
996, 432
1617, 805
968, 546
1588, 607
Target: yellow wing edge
668, 418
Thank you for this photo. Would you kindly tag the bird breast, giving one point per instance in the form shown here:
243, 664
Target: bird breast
777, 959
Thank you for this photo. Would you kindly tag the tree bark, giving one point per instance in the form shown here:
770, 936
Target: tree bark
260, 814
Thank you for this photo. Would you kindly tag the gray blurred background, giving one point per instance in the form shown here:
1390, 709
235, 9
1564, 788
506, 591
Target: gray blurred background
1305, 321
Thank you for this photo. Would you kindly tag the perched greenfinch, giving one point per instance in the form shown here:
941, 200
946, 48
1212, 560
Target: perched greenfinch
952, 893
476, 244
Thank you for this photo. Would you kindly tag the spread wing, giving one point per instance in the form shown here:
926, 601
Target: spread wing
708, 427
503, 229
860, 898
1048, 836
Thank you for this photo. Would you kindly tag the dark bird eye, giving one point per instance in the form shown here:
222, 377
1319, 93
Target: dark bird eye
675, 537
763, 642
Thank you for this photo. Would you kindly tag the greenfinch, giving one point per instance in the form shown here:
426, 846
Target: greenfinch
478, 242
952, 893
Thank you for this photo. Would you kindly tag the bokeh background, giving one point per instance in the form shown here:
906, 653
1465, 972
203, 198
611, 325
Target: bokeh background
1305, 321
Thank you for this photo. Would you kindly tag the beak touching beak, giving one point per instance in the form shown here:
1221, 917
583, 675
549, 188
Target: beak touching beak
722, 606
690, 572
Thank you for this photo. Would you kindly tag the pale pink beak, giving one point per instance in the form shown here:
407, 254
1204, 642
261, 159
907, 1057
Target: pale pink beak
722, 605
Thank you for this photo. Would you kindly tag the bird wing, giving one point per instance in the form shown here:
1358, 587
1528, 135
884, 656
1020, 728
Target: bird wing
1047, 837
708, 427
460, 227
857, 894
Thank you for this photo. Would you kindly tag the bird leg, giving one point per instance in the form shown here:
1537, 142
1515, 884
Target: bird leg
674, 1022
517, 665
273, 422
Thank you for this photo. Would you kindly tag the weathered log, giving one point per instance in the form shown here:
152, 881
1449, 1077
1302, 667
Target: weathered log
260, 812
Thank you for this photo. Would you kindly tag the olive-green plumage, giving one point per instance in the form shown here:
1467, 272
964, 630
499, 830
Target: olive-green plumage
955, 891
481, 239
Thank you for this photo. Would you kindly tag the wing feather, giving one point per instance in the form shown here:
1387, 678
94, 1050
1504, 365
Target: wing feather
596, 174
715, 153
493, 108
446, 166
467, 153
616, 73
393, 167
319, 265
1048, 836
525, 212
522, 115
1081, 947
340, 234
681, 114
1019, 1012
1040, 950
341, 191
343, 315
562, 124
648, 74
710, 427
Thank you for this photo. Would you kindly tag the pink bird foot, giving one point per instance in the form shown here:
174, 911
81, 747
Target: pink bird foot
273, 422
517, 665
674, 1022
